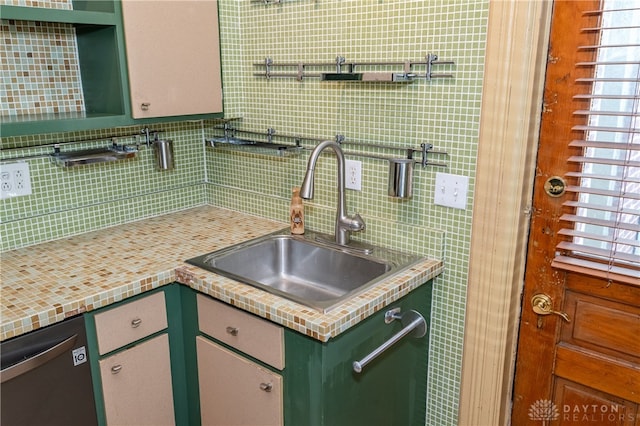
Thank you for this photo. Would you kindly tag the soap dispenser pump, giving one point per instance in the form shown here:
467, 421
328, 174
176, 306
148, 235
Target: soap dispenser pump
296, 213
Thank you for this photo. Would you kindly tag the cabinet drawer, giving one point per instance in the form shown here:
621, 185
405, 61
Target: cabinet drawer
127, 323
254, 336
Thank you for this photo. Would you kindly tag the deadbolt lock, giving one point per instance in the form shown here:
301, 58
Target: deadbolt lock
542, 305
555, 186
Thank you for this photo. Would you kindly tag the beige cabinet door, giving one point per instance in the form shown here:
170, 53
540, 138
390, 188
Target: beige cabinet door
136, 385
173, 57
235, 391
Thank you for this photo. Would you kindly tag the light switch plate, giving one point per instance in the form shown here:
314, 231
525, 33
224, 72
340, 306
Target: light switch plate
451, 190
15, 180
353, 178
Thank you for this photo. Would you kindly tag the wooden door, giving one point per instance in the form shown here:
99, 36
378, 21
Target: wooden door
580, 365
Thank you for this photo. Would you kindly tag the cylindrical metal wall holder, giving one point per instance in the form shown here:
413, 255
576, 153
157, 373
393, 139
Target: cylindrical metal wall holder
401, 177
163, 149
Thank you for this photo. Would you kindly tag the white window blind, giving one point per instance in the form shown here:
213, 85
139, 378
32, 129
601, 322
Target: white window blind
602, 232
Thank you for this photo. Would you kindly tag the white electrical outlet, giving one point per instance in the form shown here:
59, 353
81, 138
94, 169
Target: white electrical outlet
353, 178
15, 180
451, 190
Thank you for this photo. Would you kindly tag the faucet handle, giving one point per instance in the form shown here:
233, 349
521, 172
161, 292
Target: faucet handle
356, 223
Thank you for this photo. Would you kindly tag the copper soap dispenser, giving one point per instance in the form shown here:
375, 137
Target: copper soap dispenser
296, 213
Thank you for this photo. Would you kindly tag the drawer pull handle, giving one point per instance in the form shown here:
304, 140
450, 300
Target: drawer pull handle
135, 323
267, 387
232, 331
145, 106
116, 369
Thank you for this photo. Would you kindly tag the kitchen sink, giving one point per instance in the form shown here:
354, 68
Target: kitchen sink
309, 269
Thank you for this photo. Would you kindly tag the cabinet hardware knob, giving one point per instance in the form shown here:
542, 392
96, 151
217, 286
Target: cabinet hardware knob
116, 369
267, 387
542, 305
135, 323
145, 106
232, 331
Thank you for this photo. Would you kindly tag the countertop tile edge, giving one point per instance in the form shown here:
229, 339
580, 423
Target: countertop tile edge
59, 312
242, 296
305, 320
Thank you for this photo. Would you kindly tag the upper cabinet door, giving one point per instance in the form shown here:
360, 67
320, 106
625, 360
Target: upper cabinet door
173, 55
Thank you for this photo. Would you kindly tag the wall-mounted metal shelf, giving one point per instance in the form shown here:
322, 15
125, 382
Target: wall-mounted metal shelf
116, 151
341, 70
91, 156
228, 138
401, 167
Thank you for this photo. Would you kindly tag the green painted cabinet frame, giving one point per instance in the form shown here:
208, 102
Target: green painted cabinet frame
322, 389
103, 68
320, 386
179, 363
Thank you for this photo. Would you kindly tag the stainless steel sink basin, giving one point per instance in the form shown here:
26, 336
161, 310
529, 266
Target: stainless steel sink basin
309, 269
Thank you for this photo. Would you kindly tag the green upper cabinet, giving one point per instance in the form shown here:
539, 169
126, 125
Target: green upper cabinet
96, 27
99, 41
92, 13
173, 56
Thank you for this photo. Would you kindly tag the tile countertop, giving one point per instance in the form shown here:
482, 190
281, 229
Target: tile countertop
48, 282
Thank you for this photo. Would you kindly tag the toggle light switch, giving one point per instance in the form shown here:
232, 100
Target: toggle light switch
451, 190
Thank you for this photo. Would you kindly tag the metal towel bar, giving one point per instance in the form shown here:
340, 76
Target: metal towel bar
413, 323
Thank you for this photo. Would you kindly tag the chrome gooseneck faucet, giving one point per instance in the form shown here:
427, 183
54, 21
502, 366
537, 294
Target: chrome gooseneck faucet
344, 223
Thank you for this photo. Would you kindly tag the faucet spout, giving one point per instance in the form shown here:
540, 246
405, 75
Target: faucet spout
345, 224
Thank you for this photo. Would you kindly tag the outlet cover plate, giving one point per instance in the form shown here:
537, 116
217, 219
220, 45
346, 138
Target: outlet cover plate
15, 180
353, 172
451, 190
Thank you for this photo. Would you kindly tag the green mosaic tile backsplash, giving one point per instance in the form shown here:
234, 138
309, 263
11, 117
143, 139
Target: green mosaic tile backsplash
40, 70
70, 201
443, 112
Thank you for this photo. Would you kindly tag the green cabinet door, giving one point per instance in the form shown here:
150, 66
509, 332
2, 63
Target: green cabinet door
321, 387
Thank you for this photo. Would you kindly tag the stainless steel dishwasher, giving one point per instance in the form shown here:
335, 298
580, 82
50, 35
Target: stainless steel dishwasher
46, 378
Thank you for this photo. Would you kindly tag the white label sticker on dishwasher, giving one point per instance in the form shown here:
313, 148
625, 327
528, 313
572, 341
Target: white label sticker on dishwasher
79, 356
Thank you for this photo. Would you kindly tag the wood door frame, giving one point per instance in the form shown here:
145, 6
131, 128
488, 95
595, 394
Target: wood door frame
515, 63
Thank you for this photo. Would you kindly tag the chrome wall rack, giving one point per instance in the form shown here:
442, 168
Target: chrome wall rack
425, 150
92, 156
228, 138
118, 149
341, 70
